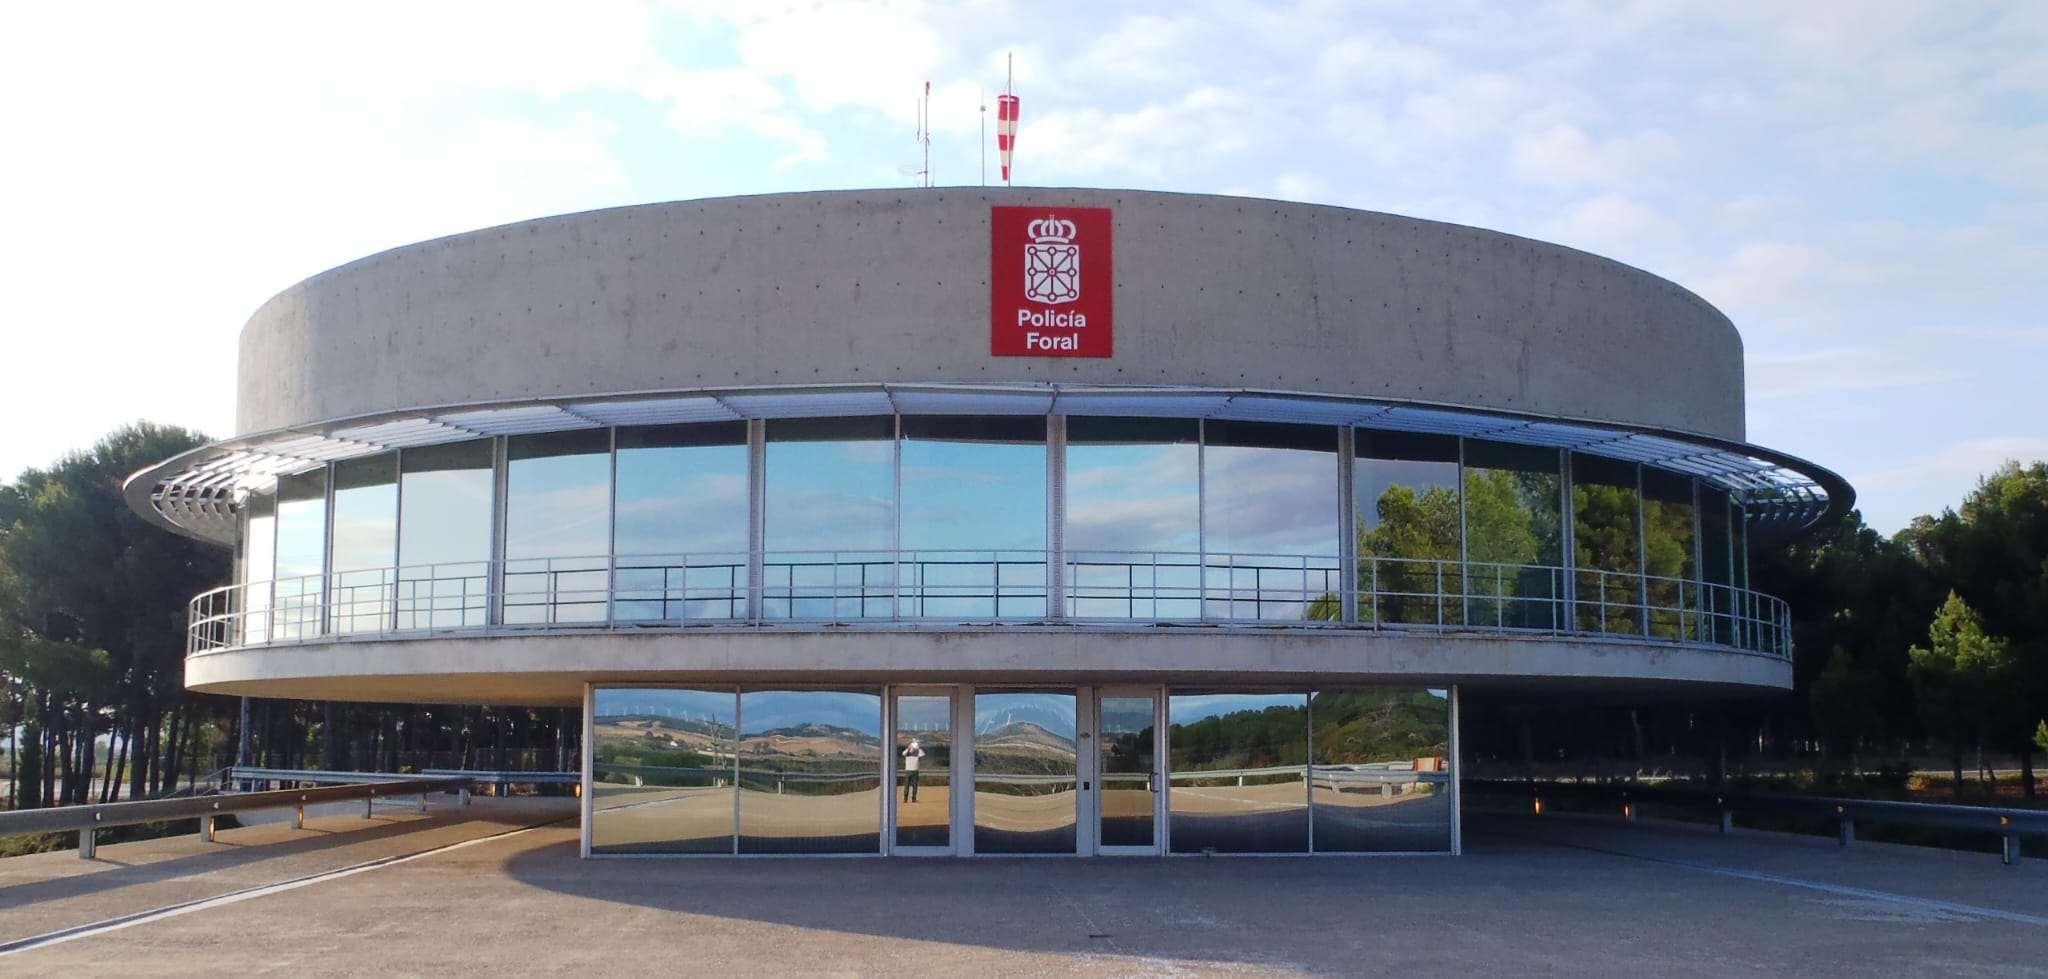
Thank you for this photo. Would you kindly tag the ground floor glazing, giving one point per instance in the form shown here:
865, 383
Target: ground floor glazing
959, 770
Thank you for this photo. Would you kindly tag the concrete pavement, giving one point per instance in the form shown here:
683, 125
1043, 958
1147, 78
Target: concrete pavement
1533, 896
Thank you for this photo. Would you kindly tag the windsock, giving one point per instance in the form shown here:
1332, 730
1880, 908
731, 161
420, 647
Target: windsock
1006, 130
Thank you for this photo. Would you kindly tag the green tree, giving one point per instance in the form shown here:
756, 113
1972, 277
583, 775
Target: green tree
92, 612
1960, 677
1993, 551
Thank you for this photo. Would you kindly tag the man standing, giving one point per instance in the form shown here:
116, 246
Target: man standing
910, 757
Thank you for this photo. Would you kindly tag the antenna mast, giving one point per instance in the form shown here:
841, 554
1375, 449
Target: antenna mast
924, 134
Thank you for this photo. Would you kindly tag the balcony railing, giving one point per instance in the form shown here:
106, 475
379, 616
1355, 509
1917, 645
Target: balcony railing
1089, 587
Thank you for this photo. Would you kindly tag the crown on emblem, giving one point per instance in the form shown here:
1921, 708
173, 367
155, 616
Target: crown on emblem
1050, 230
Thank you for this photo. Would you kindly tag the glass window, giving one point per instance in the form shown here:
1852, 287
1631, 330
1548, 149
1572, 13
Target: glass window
301, 552
662, 771
1134, 518
259, 564
1669, 555
1514, 535
681, 530
1269, 517
558, 508
974, 517
365, 552
1406, 516
830, 525
1237, 764
1382, 777
810, 771
1716, 568
1026, 772
1605, 505
444, 535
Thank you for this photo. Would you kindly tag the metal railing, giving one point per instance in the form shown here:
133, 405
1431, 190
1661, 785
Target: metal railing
689, 590
87, 820
2006, 824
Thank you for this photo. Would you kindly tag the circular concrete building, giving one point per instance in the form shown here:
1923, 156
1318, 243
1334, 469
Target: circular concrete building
978, 521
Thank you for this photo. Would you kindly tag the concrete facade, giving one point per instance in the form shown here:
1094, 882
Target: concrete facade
893, 286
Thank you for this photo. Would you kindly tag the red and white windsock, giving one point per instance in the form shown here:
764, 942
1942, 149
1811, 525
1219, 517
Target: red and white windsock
1006, 131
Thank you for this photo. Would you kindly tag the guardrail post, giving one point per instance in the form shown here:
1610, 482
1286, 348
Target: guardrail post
464, 793
1848, 828
423, 802
2010, 850
370, 805
1727, 816
206, 828
88, 842
1628, 812
300, 823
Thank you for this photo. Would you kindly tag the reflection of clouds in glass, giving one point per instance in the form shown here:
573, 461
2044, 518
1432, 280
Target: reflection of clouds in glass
1132, 498
1116, 468
826, 520
446, 517
365, 527
924, 713
1052, 711
1272, 501
821, 498
682, 500
699, 706
864, 453
963, 495
566, 521
770, 710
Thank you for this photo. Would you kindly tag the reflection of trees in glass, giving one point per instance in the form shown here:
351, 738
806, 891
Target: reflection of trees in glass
1266, 738
1605, 505
1668, 554
1377, 725
1416, 540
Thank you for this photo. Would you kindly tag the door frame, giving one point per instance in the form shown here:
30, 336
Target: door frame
1093, 767
956, 769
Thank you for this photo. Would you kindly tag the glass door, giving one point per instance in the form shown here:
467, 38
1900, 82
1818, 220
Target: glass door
1026, 771
1127, 800
921, 759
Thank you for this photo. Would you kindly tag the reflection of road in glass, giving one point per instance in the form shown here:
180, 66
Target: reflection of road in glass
629, 819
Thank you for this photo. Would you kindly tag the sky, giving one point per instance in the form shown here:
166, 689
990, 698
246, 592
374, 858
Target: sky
1861, 186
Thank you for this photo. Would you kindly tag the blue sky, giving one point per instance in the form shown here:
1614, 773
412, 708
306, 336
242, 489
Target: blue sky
1861, 186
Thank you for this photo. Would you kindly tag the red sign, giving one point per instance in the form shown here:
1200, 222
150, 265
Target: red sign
1052, 284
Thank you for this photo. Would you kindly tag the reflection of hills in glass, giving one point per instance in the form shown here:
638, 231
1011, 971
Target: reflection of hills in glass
1023, 748
639, 728
810, 740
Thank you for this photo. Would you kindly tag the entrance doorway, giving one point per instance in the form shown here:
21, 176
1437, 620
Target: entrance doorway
1128, 800
1037, 771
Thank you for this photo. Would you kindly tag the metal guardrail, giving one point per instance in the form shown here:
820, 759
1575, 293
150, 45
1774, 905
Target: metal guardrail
630, 592
87, 820
2009, 825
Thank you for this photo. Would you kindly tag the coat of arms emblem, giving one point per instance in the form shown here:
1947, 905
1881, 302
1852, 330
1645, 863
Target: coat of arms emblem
1052, 262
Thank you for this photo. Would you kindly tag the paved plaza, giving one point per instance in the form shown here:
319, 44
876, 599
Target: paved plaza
496, 889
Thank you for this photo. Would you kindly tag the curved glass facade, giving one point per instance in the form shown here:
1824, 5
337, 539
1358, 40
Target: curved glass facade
1017, 518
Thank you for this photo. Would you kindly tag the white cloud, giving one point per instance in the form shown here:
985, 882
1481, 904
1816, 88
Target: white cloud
1959, 464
